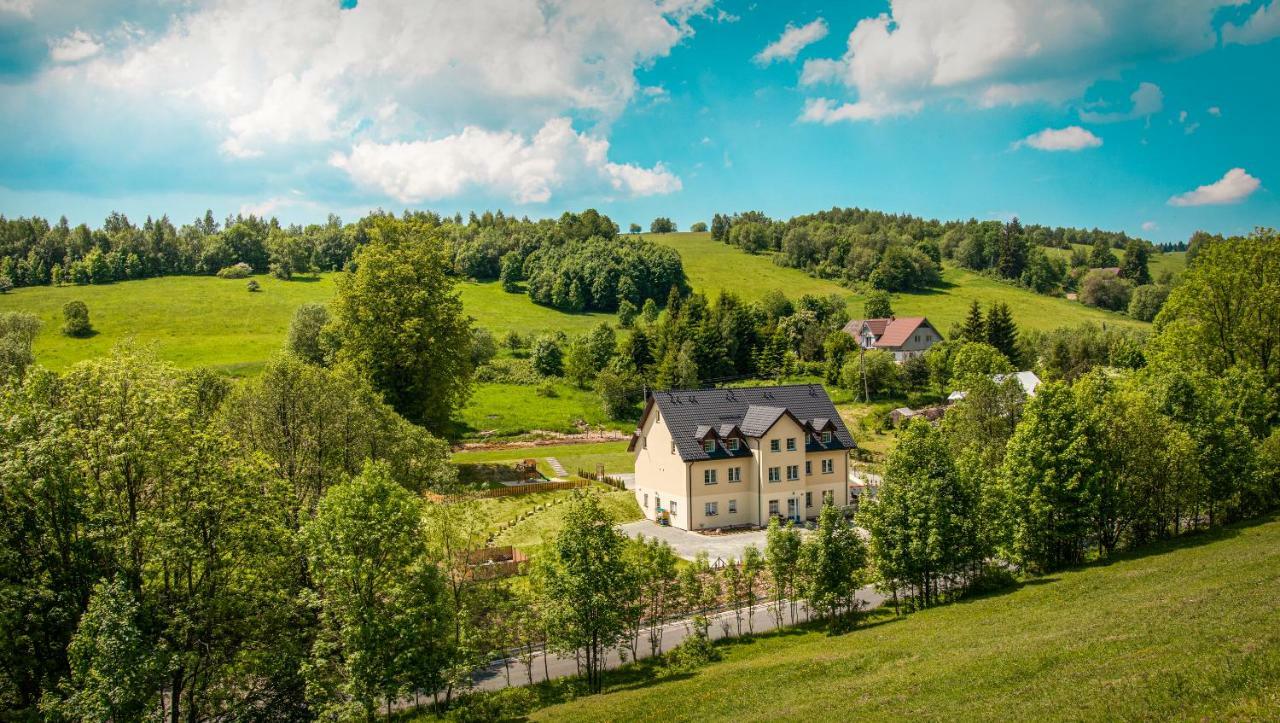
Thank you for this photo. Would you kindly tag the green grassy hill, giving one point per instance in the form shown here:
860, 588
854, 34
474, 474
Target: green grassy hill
713, 266
1188, 630
1174, 261
201, 320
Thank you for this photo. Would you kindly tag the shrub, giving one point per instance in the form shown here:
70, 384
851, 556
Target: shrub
1105, 290
253, 285
693, 652
6, 284
483, 347
508, 371
75, 319
699, 227
236, 271
507, 704
548, 359
547, 389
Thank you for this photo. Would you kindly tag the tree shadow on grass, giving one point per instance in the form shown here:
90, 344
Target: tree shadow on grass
1186, 541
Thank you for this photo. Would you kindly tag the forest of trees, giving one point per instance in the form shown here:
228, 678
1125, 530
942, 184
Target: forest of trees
574, 263
181, 545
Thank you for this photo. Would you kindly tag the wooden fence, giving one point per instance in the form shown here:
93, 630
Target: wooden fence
514, 490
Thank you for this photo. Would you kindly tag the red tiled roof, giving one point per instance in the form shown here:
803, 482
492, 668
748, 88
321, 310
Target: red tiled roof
899, 330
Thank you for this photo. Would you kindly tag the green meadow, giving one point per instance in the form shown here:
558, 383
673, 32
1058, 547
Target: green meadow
713, 266
202, 320
1185, 630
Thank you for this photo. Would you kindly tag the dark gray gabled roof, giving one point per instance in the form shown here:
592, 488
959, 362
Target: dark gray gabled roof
689, 412
759, 418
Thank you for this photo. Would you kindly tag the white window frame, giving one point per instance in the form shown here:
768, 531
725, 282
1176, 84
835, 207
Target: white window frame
672, 508
791, 444
735, 474
808, 468
826, 437
711, 509
828, 466
708, 476
773, 508
775, 474
733, 507
731, 444
793, 472
775, 445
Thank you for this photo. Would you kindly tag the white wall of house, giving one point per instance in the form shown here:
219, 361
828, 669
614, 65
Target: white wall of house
663, 478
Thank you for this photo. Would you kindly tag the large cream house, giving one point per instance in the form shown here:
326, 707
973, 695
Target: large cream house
709, 458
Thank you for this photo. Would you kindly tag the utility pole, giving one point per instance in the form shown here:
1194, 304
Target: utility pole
862, 366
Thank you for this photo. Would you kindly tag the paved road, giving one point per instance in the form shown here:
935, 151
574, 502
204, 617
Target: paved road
687, 544
722, 625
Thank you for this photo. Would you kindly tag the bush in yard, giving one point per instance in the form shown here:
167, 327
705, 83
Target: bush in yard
694, 651
236, 271
6, 284
699, 227
507, 704
253, 285
75, 319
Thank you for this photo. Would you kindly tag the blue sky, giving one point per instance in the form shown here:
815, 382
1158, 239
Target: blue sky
1156, 118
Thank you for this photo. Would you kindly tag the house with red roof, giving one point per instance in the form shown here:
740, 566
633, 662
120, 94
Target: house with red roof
906, 337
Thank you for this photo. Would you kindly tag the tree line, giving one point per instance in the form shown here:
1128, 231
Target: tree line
900, 252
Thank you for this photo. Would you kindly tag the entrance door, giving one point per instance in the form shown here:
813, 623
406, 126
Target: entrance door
792, 509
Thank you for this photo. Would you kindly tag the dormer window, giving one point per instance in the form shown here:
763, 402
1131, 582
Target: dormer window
732, 444
709, 446
826, 438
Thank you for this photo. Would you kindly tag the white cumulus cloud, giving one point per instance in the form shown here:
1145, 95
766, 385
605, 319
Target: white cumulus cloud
792, 41
1262, 26
1001, 52
296, 81
1071, 138
528, 170
1150, 225
75, 47
1146, 101
1233, 187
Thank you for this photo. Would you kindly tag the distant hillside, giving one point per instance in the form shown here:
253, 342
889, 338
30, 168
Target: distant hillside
1188, 630
713, 266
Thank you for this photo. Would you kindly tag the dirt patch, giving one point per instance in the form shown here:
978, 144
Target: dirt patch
544, 439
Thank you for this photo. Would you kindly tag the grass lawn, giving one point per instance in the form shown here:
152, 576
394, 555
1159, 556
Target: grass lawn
532, 533
1187, 630
192, 320
713, 266
500, 312
507, 410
